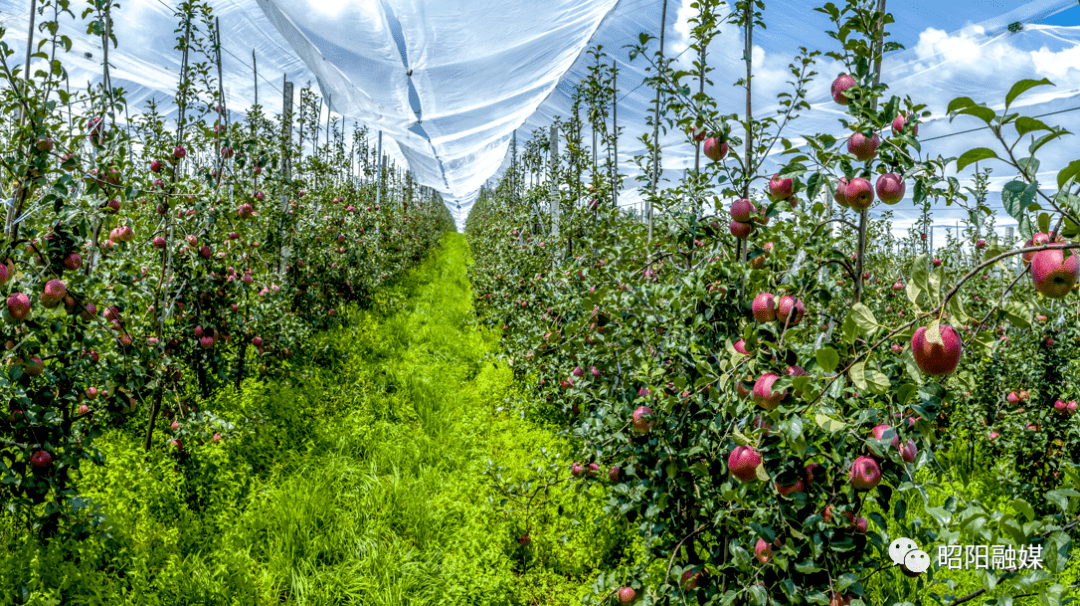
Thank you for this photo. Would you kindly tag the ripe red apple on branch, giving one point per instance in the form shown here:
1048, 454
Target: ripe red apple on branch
862, 147
743, 463
714, 149
842, 83
937, 354
781, 189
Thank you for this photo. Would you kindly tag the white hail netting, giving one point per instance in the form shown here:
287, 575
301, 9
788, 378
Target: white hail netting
449, 81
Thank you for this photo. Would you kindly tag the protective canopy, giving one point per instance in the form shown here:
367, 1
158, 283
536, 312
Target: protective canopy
450, 81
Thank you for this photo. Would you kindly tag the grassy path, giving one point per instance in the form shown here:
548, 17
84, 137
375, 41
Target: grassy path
364, 485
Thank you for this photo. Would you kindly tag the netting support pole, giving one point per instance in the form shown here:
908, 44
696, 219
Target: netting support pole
656, 128
378, 189
255, 72
614, 135
286, 153
553, 192
864, 215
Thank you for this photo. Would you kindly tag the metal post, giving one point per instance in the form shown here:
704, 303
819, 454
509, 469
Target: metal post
656, 128
378, 174
286, 145
615, 134
553, 196
378, 189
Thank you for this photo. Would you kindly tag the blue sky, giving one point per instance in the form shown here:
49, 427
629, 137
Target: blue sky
1070, 17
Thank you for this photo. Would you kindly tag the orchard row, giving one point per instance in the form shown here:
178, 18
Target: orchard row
148, 265
771, 405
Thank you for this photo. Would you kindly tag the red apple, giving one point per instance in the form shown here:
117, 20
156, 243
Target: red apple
740, 230
781, 189
641, 419
789, 309
787, 491
890, 188
714, 149
899, 122
840, 196
764, 396
859, 194
18, 305
693, 580
764, 307
909, 451
841, 84
740, 346
40, 461
864, 473
742, 210
1054, 272
763, 551
934, 359
863, 148
743, 463
879, 433
53, 294
1039, 239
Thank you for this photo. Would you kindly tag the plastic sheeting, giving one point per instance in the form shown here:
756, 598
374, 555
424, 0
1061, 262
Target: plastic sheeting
450, 81
943, 59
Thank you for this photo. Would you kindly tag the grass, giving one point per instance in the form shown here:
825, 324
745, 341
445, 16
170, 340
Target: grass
363, 483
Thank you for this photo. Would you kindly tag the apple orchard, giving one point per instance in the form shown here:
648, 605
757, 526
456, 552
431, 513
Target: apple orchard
758, 383
768, 393
146, 267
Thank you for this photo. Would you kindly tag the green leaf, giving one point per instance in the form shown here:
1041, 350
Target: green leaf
1023, 507
850, 328
1043, 140
1016, 196
828, 423
1030, 166
878, 381
1012, 527
956, 308
864, 318
761, 473
1017, 315
933, 333
920, 272
858, 375
828, 359
979, 111
993, 251
1025, 125
813, 185
1061, 498
940, 515
1044, 222
1020, 87
1069, 172
836, 389
974, 155
958, 104
793, 429
912, 290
